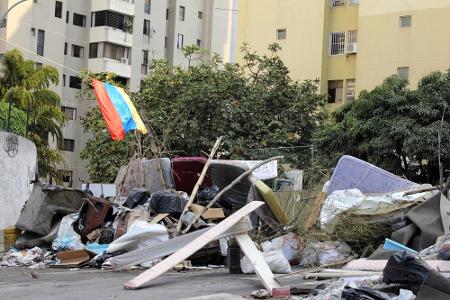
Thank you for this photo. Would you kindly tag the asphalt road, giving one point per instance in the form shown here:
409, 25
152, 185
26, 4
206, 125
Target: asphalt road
94, 284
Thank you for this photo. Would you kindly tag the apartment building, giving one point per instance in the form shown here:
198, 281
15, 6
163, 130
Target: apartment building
120, 36
350, 45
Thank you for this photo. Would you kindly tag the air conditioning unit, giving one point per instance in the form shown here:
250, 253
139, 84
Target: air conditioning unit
124, 60
351, 48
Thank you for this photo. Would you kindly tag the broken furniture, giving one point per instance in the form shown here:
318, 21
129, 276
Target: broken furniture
244, 241
186, 171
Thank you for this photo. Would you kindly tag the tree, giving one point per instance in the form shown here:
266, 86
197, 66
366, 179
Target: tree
27, 88
255, 105
393, 127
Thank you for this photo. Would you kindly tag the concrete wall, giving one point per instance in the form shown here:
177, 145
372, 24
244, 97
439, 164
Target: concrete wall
16, 171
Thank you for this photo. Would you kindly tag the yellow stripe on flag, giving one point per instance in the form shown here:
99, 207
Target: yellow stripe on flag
134, 114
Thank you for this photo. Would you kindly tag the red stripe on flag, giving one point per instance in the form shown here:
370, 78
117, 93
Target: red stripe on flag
109, 112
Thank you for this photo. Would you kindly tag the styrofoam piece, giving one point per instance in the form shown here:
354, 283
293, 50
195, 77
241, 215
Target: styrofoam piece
354, 173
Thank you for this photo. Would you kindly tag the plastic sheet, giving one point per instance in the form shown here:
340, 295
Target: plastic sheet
140, 235
287, 243
275, 259
324, 253
67, 238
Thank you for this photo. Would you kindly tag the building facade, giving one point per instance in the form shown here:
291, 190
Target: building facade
120, 36
350, 45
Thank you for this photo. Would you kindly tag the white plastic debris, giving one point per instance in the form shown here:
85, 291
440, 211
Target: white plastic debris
275, 259
287, 243
67, 238
16, 258
140, 235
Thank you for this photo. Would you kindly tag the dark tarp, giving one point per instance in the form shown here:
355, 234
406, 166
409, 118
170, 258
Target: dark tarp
47, 205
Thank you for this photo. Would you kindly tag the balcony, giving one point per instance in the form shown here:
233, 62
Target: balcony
121, 6
98, 65
112, 35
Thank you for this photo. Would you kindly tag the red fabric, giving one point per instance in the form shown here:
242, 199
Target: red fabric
109, 112
187, 170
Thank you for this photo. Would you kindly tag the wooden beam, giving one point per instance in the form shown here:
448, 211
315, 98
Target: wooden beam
192, 247
259, 263
228, 187
168, 247
199, 182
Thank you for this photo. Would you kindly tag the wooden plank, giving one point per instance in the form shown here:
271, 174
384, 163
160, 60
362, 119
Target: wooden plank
192, 247
199, 182
379, 265
228, 187
168, 247
158, 218
259, 263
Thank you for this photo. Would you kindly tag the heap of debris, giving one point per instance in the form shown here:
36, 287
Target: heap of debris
387, 237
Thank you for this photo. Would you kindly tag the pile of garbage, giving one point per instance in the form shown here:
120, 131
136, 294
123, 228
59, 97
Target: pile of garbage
384, 237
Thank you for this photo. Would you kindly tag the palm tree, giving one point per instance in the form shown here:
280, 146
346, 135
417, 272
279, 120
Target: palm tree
27, 87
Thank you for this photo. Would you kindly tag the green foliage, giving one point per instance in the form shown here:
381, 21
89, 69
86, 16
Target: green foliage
18, 119
393, 127
253, 105
28, 88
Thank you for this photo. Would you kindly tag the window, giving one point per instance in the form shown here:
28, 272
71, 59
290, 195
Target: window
65, 48
403, 72
180, 41
353, 2
335, 91
93, 50
67, 176
112, 19
165, 42
69, 112
335, 3
75, 82
68, 145
147, 6
79, 20
199, 42
58, 9
167, 14
64, 80
77, 51
144, 65
200, 15
352, 36
40, 42
116, 52
146, 27
122, 80
337, 43
350, 91
182, 13
281, 34
405, 21
67, 16
33, 31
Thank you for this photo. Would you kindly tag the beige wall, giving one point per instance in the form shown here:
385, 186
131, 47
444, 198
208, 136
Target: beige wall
384, 45
304, 22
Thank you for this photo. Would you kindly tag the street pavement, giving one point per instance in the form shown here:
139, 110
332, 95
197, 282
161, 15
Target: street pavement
93, 284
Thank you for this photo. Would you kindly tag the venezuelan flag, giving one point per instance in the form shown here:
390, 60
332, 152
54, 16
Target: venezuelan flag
117, 109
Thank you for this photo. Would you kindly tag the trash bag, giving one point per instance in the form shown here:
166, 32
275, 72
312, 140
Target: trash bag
168, 202
67, 238
137, 196
417, 276
275, 259
325, 253
287, 243
206, 194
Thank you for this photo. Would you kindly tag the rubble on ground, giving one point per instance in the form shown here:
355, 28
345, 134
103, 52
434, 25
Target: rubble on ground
384, 237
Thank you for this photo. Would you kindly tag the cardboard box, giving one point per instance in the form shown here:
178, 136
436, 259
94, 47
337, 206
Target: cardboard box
211, 213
